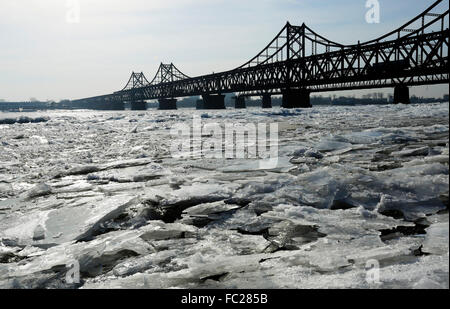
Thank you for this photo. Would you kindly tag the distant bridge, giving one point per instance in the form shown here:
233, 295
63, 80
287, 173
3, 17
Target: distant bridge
299, 61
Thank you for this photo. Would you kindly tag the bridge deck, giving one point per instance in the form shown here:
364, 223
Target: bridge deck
419, 57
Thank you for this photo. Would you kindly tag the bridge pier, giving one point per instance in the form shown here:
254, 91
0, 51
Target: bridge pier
116, 106
401, 94
167, 104
200, 104
138, 105
266, 101
108, 105
296, 98
213, 101
240, 102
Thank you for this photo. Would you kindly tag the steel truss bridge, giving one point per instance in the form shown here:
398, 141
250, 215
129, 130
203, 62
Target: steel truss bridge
299, 61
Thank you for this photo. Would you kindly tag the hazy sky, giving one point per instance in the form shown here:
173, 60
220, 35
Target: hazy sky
44, 56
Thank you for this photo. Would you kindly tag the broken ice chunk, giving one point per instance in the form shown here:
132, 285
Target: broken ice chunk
436, 241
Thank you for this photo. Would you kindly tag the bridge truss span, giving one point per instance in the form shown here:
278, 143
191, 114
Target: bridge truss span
299, 58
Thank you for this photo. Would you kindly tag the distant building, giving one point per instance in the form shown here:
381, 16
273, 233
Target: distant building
25, 106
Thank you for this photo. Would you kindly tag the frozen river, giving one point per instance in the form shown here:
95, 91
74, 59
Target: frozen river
357, 198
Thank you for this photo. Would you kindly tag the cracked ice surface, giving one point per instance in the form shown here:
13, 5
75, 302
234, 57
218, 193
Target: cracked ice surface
353, 186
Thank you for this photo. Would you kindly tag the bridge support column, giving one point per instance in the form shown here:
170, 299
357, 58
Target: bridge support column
200, 104
296, 98
138, 105
213, 101
266, 101
117, 106
108, 105
167, 104
401, 94
240, 102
